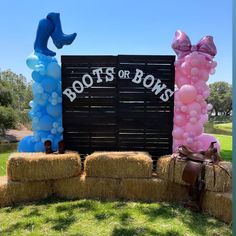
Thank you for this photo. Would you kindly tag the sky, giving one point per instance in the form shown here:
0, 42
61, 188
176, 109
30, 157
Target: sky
107, 27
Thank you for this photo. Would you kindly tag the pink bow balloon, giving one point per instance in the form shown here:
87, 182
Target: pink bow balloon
182, 45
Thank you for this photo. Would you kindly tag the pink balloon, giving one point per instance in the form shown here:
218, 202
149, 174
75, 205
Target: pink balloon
179, 119
187, 93
194, 62
204, 75
178, 133
184, 108
194, 71
194, 129
193, 120
180, 81
194, 106
185, 67
205, 140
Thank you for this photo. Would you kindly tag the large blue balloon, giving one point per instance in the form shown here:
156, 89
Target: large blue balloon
49, 84
26, 144
45, 123
54, 110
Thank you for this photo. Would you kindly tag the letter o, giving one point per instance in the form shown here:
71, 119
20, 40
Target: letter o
145, 81
75, 88
121, 73
85, 82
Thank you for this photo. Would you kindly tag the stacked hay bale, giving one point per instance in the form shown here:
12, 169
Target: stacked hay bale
30, 175
119, 175
110, 175
217, 199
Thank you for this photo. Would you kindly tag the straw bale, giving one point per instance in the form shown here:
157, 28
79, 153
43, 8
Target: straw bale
154, 189
87, 187
15, 192
223, 182
172, 170
218, 205
41, 166
119, 165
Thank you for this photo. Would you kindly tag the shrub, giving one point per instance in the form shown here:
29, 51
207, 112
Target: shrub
8, 119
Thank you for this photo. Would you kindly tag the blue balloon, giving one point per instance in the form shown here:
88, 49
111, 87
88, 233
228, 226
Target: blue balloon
39, 147
49, 84
54, 110
26, 144
37, 77
45, 123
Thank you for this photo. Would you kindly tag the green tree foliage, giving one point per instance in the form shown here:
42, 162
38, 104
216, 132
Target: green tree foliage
15, 94
221, 98
7, 119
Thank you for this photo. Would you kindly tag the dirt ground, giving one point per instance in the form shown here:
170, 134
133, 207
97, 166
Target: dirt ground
14, 135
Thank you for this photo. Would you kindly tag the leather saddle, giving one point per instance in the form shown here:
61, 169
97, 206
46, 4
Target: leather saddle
194, 171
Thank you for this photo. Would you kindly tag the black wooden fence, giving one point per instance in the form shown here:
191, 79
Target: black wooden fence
118, 115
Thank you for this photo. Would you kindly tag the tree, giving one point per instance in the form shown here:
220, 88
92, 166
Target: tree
7, 119
15, 94
221, 97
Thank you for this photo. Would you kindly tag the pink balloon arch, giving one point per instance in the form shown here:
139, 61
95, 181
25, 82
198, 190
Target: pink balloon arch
193, 66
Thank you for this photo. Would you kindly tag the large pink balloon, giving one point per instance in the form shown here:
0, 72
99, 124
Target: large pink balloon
180, 119
205, 140
178, 132
194, 129
187, 93
194, 106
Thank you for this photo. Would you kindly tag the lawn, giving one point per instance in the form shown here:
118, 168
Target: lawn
91, 217
226, 146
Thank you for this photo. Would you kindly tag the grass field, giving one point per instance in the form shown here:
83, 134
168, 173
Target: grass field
90, 217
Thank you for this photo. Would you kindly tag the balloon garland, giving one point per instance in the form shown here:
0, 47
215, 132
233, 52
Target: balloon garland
192, 69
46, 109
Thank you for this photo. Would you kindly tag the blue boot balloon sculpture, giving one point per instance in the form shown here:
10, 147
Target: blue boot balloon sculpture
46, 109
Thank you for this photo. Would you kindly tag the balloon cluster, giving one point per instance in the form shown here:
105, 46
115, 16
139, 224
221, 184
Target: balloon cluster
192, 72
46, 109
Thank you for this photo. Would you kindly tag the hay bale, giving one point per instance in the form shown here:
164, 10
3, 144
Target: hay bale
41, 166
153, 189
119, 165
218, 205
223, 182
172, 170
87, 187
15, 192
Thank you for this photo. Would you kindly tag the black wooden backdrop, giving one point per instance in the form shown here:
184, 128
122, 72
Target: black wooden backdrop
118, 115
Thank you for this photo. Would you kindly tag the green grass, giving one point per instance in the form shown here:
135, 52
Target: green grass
3, 160
226, 146
90, 217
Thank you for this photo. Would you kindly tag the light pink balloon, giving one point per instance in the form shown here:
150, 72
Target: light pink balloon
194, 106
184, 108
180, 81
209, 107
194, 62
194, 71
180, 119
187, 93
204, 75
205, 140
194, 129
178, 132
185, 67
193, 120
